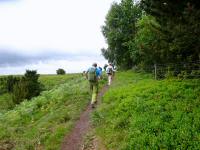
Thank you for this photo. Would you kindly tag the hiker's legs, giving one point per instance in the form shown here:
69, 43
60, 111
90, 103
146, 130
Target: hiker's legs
94, 93
109, 79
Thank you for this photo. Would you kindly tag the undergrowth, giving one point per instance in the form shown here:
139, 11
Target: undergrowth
140, 113
43, 122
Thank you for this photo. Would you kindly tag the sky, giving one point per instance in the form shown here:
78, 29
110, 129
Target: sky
45, 35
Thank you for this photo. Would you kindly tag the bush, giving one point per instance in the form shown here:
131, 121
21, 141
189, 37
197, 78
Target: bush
7, 84
27, 87
11, 81
60, 71
20, 92
2, 85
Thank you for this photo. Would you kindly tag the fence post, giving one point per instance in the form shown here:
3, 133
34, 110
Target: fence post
155, 71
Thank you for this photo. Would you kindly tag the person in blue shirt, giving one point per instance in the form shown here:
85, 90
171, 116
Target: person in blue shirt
99, 72
93, 74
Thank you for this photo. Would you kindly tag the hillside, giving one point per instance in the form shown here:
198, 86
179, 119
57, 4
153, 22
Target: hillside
140, 113
42, 122
137, 112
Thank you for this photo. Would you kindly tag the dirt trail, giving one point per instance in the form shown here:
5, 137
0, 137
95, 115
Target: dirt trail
74, 141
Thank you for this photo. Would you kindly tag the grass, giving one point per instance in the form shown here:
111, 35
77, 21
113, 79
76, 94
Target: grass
43, 122
5, 102
140, 113
48, 81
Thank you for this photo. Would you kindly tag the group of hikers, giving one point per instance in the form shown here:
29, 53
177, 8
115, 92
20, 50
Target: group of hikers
94, 74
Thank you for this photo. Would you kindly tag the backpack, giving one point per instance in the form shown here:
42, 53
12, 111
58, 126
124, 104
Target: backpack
109, 71
92, 76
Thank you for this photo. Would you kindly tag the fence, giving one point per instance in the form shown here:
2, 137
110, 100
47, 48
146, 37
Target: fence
180, 70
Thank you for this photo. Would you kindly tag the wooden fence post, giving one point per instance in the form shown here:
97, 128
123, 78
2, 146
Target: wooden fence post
155, 71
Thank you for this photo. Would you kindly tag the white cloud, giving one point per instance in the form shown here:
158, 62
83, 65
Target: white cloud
66, 25
34, 27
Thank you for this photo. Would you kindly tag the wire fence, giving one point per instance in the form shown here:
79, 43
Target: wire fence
183, 70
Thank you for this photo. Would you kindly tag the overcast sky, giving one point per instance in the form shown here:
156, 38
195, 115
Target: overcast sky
50, 34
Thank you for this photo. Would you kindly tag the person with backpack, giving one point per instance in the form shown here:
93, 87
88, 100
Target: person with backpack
100, 73
109, 72
92, 75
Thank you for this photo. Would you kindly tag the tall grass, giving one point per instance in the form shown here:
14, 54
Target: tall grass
140, 113
42, 122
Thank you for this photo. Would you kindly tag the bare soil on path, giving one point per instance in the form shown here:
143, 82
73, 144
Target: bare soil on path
75, 140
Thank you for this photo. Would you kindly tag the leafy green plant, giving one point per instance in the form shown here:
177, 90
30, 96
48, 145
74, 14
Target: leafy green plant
141, 113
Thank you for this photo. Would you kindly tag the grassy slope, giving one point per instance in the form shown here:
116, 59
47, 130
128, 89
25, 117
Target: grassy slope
140, 113
43, 122
49, 82
6, 102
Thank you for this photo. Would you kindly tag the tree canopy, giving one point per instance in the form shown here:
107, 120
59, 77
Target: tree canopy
150, 32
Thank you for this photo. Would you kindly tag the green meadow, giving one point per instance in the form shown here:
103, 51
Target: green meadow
42, 122
138, 112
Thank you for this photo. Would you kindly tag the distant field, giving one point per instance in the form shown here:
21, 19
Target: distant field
49, 81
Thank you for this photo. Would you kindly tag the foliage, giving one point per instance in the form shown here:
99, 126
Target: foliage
60, 71
48, 81
11, 81
43, 122
140, 113
3, 85
27, 87
119, 30
7, 83
147, 46
179, 22
167, 32
6, 102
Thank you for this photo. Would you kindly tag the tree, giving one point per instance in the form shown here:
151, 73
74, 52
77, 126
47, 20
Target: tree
119, 30
179, 22
147, 47
27, 87
60, 71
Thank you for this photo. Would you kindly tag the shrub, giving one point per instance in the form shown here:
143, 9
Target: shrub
3, 85
7, 84
20, 92
60, 71
11, 81
27, 87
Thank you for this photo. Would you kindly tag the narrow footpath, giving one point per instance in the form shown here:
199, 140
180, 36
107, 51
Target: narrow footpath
75, 140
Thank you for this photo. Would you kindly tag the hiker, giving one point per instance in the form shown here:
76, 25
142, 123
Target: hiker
105, 66
100, 73
109, 72
84, 74
92, 75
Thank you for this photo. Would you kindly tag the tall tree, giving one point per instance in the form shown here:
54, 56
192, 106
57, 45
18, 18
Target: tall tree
180, 22
147, 47
119, 30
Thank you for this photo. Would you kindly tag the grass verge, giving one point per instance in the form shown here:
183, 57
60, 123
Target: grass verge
140, 113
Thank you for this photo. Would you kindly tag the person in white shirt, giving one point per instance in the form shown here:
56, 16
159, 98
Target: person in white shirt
110, 72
